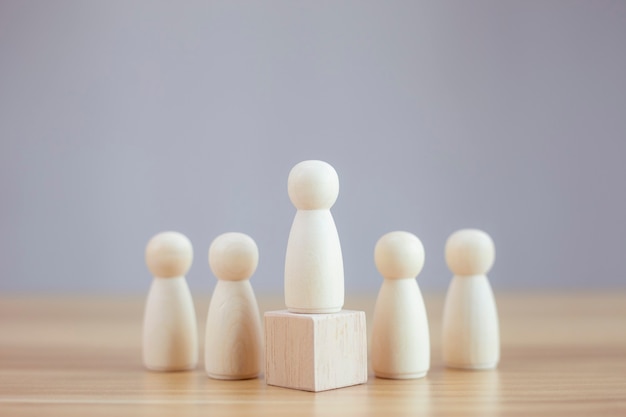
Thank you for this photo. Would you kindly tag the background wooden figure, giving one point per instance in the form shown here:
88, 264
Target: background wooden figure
400, 336
233, 343
471, 338
170, 333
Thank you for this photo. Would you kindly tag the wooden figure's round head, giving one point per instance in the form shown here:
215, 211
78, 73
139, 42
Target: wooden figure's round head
169, 255
470, 252
313, 185
233, 256
399, 255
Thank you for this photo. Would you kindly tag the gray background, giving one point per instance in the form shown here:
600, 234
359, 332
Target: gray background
120, 119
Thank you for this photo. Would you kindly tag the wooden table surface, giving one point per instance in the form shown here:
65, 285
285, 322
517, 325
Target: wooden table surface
562, 354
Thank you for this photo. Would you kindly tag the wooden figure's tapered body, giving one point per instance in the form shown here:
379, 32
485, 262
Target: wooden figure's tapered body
314, 281
470, 324
471, 336
233, 341
170, 332
400, 336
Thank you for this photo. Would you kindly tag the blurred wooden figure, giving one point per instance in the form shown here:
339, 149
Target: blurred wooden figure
170, 333
400, 336
233, 343
471, 338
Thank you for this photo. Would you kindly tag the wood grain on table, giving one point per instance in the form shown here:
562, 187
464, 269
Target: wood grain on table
562, 354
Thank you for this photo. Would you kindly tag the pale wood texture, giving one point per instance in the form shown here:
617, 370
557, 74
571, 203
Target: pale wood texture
471, 337
170, 330
400, 336
233, 341
315, 352
81, 356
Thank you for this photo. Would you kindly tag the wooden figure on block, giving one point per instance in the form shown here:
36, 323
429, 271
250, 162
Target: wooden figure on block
471, 338
400, 338
170, 333
314, 346
314, 263
315, 352
233, 343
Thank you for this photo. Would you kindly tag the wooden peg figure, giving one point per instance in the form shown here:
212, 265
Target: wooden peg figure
471, 338
400, 336
170, 332
314, 281
233, 343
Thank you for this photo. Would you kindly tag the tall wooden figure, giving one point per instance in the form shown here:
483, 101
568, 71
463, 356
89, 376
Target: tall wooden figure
170, 333
400, 339
471, 338
313, 264
314, 345
233, 344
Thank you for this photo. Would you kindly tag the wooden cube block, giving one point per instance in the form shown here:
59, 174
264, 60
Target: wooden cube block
315, 352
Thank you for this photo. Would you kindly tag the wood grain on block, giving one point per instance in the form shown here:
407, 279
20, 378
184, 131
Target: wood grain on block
315, 352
